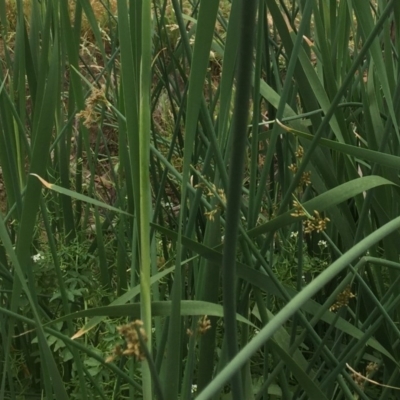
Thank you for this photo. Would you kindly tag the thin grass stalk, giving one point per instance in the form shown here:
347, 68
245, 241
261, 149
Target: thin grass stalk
234, 194
201, 53
186, 390
208, 290
282, 102
9, 162
261, 31
144, 190
76, 98
129, 101
103, 265
151, 366
122, 257
300, 261
227, 77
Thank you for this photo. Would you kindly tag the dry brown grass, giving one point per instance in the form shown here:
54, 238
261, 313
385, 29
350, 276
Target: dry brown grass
99, 10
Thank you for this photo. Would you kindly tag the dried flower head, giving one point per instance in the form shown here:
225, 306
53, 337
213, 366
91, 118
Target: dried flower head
203, 325
320, 223
212, 191
371, 368
299, 210
90, 115
343, 298
293, 168
116, 353
299, 152
308, 226
211, 214
131, 333
305, 179
358, 379
315, 223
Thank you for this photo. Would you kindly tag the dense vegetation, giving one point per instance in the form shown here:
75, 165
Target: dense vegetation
199, 199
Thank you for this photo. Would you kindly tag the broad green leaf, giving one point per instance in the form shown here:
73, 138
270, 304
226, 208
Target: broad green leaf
323, 202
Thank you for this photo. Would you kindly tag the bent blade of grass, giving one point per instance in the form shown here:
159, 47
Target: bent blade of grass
262, 281
383, 159
295, 304
79, 196
125, 298
159, 308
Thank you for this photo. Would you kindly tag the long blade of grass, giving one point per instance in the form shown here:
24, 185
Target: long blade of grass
238, 140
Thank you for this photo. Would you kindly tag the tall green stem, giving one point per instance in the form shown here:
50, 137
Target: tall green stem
239, 130
145, 200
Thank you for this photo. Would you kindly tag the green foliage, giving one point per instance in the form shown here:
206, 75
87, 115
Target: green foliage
163, 237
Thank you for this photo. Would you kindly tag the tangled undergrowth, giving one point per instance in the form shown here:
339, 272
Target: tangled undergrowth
317, 251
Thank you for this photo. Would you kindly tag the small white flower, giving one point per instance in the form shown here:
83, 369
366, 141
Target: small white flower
37, 257
294, 234
194, 388
322, 244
